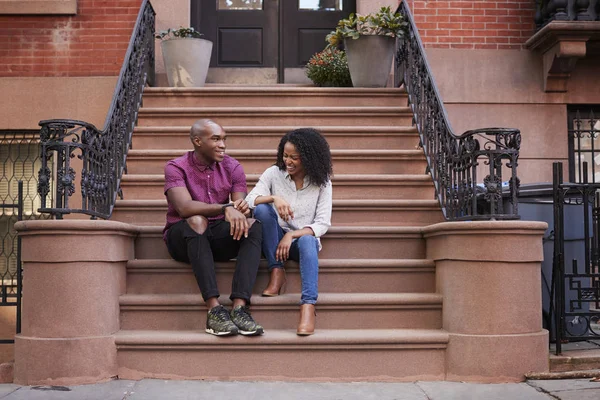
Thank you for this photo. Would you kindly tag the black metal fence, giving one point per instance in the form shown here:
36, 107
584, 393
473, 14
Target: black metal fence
19, 152
547, 11
103, 152
575, 289
467, 170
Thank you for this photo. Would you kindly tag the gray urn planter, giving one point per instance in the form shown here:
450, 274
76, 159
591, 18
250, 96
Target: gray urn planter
186, 61
370, 59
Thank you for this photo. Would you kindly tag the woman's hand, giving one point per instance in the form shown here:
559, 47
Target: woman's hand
242, 206
283, 248
283, 208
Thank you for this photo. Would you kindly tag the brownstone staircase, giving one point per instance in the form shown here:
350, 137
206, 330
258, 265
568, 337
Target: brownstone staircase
379, 316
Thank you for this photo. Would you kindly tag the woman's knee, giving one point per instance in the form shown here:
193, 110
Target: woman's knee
198, 223
263, 211
308, 242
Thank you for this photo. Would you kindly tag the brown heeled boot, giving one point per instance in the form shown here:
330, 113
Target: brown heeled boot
306, 325
276, 284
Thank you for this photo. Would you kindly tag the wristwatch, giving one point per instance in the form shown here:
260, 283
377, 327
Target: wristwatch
224, 206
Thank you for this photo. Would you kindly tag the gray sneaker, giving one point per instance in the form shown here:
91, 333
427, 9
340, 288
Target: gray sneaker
218, 322
241, 317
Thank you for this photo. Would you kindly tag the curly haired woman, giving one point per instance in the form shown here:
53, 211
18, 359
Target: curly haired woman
292, 199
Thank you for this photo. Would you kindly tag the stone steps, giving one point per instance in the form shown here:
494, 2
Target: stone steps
304, 116
268, 137
255, 161
265, 96
346, 212
345, 186
167, 276
332, 354
335, 311
354, 242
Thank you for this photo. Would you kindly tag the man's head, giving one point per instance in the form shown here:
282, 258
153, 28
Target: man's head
208, 139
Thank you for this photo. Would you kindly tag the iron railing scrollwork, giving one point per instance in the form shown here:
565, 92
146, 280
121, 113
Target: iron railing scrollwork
547, 11
102, 152
575, 289
455, 162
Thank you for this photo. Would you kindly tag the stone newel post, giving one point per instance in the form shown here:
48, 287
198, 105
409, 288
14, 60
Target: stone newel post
73, 275
489, 274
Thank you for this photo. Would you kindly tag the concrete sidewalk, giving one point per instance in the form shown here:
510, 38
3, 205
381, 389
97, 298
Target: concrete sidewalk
148, 389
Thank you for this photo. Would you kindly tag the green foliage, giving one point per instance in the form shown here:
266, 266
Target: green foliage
180, 32
383, 23
329, 68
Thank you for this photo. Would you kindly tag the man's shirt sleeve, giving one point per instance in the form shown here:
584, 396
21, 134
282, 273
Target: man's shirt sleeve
174, 177
238, 179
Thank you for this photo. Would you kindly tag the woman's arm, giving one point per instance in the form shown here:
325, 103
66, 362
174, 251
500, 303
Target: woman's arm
322, 220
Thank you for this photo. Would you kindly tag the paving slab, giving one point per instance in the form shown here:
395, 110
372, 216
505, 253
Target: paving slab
7, 388
476, 391
188, 390
113, 390
585, 394
557, 385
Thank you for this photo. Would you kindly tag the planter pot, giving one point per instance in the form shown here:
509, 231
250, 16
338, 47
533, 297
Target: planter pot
370, 59
186, 61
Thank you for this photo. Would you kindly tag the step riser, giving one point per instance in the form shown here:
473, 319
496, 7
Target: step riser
142, 141
245, 100
330, 281
391, 216
398, 246
362, 363
286, 317
154, 191
308, 119
139, 165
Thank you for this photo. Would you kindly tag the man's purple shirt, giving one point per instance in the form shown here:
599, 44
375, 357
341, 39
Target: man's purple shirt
211, 184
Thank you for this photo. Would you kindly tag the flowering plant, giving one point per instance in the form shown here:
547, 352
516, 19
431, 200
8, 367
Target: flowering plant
329, 68
180, 32
384, 23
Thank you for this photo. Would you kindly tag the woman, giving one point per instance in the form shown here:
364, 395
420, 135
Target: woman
292, 199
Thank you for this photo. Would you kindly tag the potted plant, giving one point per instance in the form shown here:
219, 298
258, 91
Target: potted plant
329, 68
369, 41
186, 56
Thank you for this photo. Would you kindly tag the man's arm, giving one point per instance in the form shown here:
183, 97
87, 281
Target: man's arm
182, 201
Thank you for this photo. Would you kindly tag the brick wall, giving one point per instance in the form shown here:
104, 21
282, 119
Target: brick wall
91, 43
475, 24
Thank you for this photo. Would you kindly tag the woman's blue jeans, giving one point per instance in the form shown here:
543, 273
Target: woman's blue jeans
305, 250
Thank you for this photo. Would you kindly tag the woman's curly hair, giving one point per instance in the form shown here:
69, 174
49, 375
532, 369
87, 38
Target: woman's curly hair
314, 153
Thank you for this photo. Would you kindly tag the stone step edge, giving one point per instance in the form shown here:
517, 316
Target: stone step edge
396, 179
329, 301
342, 129
338, 265
341, 231
272, 153
342, 111
338, 204
276, 339
273, 90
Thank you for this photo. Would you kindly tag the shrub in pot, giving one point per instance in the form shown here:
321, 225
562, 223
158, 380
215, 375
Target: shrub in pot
186, 56
369, 41
329, 68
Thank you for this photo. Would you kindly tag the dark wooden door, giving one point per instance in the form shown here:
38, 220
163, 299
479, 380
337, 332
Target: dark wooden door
267, 33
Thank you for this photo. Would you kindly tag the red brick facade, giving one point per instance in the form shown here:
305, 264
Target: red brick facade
475, 24
91, 43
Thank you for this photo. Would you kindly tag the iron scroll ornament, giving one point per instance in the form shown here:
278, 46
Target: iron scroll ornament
101, 154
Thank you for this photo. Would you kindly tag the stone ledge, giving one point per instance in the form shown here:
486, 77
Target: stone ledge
562, 44
38, 7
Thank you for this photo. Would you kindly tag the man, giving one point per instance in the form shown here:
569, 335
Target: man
204, 226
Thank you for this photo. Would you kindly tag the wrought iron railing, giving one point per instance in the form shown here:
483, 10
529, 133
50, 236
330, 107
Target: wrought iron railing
19, 158
547, 11
575, 289
455, 162
102, 152
584, 142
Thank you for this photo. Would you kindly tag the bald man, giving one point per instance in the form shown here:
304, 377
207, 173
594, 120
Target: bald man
207, 221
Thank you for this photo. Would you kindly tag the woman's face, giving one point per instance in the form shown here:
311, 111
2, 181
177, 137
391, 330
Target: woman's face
292, 161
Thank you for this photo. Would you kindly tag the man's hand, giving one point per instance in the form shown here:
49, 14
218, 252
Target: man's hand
239, 223
283, 208
242, 206
283, 248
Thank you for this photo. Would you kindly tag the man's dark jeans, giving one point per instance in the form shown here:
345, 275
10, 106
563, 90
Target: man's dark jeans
216, 244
